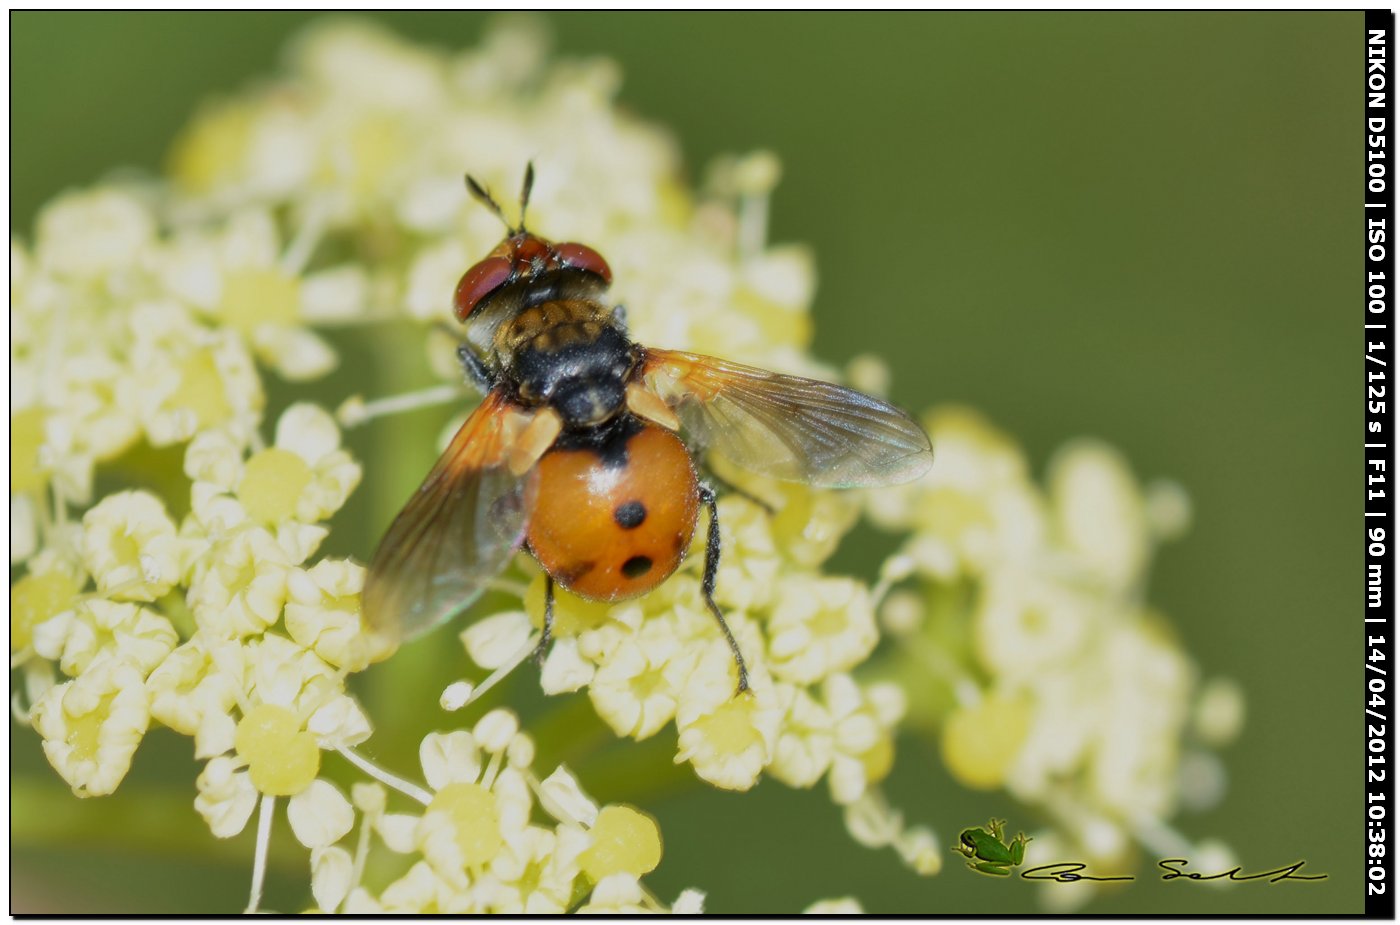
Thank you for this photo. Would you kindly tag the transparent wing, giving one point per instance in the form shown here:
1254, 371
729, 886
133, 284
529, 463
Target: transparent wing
788, 427
457, 532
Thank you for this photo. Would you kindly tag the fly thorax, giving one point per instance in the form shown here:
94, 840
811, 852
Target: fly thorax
579, 368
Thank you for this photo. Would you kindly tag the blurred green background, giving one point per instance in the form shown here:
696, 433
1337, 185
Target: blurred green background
1136, 226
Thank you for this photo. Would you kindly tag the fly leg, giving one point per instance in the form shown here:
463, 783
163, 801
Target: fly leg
547, 633
477, 373
707, 584
478, 376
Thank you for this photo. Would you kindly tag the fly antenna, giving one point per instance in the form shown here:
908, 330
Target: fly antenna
480, 194
525, 188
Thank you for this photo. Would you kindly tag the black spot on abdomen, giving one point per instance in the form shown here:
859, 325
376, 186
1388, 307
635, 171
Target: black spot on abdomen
636, 567
568, 577
630, 515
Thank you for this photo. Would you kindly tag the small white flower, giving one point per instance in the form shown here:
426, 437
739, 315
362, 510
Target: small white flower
455, 696
332, 870
304, 476
614, 895
819, 626
449, 758
920, 850
1219, 712
750, 566
975, 509
240, 583
340, 722
226, 797
399, 831
872, 822
185, 378
1099, 510
861, 736
492, 641
533, 876
562, 797
323, 613
194, 699
636, 689
320, 815
236, 277
805, 747
1066, 714
99, 629
494, 731
90, 233
130, 547
419, 890
845, 905
92, 725
728, 739
565, 670
1026, 623
690, 902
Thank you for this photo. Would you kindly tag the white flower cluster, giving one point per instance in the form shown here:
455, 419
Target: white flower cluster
491, 836
375, 134
167, 549
143, 318
368, 137
1043, 670
132, 333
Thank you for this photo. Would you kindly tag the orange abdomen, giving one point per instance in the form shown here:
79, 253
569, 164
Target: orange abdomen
613, 522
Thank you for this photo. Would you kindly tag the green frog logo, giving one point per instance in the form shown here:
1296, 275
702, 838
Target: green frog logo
987, 850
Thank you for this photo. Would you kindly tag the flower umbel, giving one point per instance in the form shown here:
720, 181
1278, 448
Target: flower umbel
167, 530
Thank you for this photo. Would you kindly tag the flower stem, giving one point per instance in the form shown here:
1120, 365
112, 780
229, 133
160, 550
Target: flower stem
503, 671
265, 808
357, 872
392, 781
395, 404
303, 245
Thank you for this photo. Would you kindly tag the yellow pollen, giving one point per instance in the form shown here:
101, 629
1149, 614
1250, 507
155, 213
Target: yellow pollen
283, 759
949, 512
375, 150
829, 622
879, 761
35, 598
26, 436
272, 482
86, 736
648, 683
213, 146
625, 841
796, 511
981, 742
201, 389
256, 297
476, 819
728, 729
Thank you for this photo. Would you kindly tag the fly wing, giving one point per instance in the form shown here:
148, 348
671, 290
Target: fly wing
457, 532
788, 427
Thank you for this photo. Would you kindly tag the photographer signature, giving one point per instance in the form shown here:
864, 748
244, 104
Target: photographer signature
990, 853
1175, 869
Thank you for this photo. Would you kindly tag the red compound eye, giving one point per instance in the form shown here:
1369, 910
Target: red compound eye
583, 257
479, 282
